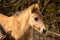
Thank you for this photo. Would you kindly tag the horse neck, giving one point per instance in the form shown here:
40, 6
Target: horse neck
3, 19
23, 18
24, 15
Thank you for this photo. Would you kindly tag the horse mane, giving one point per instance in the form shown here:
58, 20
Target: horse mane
19, 12
35, 9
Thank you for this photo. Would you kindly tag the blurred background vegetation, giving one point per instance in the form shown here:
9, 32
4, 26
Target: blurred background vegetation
50, 14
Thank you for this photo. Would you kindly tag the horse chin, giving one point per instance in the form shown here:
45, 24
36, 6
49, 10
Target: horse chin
41, 32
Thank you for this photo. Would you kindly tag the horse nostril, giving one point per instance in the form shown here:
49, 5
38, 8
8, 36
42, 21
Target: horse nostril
44, 31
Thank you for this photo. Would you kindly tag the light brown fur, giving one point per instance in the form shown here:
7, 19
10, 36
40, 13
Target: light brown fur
19, 24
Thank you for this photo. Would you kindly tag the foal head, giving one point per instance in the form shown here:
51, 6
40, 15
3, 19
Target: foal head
36, 21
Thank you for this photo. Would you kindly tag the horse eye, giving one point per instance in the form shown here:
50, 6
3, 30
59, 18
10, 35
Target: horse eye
36, 19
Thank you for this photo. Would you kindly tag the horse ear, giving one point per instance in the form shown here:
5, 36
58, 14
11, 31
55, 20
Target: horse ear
34, 6
35, 9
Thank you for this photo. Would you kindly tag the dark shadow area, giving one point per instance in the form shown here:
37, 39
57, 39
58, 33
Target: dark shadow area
8, 35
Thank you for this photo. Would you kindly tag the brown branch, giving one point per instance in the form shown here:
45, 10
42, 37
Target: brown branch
45, 5
54, 33
2, 36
